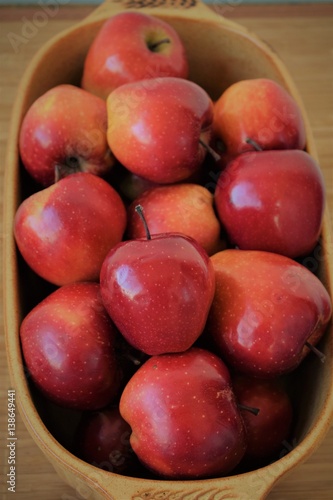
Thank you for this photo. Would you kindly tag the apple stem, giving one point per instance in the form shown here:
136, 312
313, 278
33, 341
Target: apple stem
57, 173
210, 150
155, 45
139, 210
254, 144
251, 409
133, 359
316, 351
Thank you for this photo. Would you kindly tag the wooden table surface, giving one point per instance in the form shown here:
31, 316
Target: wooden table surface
303, 37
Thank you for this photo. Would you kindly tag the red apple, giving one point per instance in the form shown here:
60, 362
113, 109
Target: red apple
273, 201
103, 440
265, 309
261, 110
184, 418
155, 127
132, 46
265, 432
65, 231
182, 208
65, 129
68, 343
158, 291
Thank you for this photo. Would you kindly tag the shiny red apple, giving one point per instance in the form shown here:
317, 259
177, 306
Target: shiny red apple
65, 231
272, 201
267, 311
184, 208
158, 291
184, 417
64, 131
156, 127
68, 343
258, 110
132, 46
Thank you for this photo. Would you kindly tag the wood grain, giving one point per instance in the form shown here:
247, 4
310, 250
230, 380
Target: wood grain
303, 37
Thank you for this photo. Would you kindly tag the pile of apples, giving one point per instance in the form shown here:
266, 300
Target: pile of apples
172, 229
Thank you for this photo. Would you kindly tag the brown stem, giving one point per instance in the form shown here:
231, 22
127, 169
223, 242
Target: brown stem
316, 351
139, 210
210, 150
155, 45
57, 173
132, 359
251, 409
254, 144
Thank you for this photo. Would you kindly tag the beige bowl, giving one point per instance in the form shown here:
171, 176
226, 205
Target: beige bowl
220, 53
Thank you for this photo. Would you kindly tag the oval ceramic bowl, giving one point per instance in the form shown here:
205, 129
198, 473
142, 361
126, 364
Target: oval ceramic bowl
220, 52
